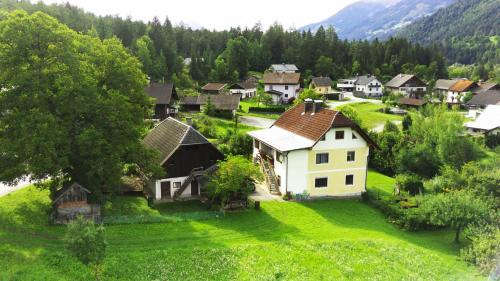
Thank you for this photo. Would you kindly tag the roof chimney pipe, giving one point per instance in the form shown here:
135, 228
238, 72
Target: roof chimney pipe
316, 106
308, 104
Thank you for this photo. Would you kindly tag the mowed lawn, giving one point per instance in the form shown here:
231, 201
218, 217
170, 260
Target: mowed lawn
321, 240
371, 116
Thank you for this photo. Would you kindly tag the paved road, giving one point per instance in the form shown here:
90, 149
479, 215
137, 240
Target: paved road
258, 122
352, 99
6, 189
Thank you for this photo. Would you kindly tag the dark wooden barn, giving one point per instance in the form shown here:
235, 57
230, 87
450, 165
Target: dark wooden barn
186, 156
71, 201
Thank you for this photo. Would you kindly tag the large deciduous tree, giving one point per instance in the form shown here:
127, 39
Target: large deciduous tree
72, 107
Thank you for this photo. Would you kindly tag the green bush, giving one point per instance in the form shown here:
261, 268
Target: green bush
409, 183
273, 109
86, 241
484, 249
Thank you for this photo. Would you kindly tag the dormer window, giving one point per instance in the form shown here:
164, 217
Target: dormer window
339, 135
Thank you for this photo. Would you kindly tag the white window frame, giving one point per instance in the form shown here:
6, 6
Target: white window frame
345, 180
316, 158
320, 187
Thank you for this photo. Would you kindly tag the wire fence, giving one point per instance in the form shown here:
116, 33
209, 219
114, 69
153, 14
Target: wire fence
176, 217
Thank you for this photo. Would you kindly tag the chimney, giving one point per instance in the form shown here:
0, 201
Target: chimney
308, 104
316, 106
189, 121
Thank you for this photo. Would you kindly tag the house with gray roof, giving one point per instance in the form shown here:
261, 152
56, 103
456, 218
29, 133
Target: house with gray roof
407, 84
322, 85
165, 99
368, 85
483, 99
222, 102
185, 155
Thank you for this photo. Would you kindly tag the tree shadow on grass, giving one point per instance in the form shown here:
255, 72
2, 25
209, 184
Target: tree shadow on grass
352, 214
264, 225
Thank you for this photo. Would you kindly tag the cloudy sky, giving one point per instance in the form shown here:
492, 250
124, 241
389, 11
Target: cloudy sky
217, 14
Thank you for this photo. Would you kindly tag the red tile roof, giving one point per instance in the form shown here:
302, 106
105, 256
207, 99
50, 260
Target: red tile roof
315, 126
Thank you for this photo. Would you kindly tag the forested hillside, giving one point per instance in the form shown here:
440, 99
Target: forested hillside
229, 55
467, 30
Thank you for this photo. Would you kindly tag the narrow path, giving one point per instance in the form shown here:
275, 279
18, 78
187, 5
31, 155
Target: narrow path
380, 127
262, 194
6, 189
258, 122
352, 99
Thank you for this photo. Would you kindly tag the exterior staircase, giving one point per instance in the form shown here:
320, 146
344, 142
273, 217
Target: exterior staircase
271, 179
195, 173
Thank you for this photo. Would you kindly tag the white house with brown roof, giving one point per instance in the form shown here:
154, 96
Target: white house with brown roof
314, 150
282, 86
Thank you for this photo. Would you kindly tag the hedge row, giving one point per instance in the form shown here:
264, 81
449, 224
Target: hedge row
267, 109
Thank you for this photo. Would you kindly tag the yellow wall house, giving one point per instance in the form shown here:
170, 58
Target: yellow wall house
314, 149
322, 85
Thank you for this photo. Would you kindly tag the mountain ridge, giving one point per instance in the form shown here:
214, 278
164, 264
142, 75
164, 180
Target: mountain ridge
370, 20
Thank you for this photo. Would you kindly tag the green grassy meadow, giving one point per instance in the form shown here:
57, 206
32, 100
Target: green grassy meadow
371, 116
319, 240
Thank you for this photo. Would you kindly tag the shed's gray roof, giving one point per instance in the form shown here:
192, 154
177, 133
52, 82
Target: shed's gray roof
486, 98
167, 136
221, 101
162, 92
244, 85
322, 81
284, 67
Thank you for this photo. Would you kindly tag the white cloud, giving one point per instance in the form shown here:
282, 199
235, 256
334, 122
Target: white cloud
217, 14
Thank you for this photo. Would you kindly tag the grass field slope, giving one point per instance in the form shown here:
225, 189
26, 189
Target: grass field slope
321, 240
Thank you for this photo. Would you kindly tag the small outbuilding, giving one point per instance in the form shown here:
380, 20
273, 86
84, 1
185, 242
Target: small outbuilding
71, 201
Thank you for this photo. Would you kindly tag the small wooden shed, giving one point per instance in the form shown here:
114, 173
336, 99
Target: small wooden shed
71, 201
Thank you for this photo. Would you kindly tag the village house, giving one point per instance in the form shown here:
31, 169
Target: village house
322, 85
223, 103
443, 86
71, 201
246, 89
458, 90
483, 99
368, 85
282, 86
408, 85
186, 156
487, 123
314, 150
165, 99
283, 68
213, 88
